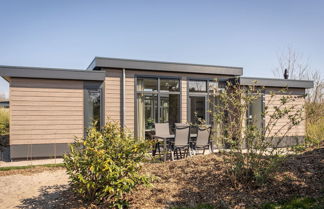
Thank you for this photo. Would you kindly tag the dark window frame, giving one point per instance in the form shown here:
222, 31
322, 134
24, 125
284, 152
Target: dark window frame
201, 94
93, 86
158, 93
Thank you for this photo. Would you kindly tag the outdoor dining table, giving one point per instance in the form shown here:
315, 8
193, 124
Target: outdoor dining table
165, 139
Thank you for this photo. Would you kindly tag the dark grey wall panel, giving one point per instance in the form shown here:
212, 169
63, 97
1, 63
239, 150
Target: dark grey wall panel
31, 151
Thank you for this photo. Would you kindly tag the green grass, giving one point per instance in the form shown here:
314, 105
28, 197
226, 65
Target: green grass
31, 166
297, 203
4, 121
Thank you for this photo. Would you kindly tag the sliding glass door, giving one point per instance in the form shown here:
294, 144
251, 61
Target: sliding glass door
197, 109
170, 108
158, 101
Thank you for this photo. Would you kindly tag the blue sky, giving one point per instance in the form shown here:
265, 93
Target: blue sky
250, 34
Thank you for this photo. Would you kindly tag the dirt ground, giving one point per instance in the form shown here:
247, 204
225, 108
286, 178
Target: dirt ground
24, 189
195, 180
202, 180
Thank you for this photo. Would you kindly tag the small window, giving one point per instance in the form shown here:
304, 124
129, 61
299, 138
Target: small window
212, 87
93, 109
169, 85
197, 86
147, 84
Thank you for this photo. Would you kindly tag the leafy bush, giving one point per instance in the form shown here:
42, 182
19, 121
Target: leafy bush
106, 165
314, 123
252, 146
4, 121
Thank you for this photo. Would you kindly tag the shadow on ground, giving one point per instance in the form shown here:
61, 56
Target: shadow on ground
52, 197
202, 180
299, 176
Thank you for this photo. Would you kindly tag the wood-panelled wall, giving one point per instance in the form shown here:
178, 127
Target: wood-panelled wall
282, 125
113, 95
45, 111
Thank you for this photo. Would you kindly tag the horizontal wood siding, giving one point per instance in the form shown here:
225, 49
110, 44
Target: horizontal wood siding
113, 95
281, 127
184, 99
130, 111
45, 111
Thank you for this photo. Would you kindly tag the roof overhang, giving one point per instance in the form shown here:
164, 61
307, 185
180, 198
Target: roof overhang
272, 82
103, 62
50, 73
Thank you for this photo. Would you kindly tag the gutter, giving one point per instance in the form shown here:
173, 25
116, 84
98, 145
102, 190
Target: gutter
124, 98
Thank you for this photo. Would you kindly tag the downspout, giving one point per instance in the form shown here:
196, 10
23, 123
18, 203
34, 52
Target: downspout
124, 98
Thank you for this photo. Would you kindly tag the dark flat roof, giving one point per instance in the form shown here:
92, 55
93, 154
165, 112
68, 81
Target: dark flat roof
50, 73
104, 62
274, 82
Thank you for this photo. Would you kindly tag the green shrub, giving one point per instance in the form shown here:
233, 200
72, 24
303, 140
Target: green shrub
252, 152
314, 123
4, 121
106, 165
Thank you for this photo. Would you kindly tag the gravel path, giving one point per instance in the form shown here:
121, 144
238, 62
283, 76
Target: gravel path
37, 190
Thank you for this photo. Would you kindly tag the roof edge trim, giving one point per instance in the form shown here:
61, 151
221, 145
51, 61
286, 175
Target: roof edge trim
50, 73
274, 82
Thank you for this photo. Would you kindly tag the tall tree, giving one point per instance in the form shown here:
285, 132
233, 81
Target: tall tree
299, 69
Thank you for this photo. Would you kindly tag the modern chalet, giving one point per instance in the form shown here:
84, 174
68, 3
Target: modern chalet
50, 107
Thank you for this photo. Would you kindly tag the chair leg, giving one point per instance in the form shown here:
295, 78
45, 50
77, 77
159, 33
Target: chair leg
159, 150
189, 151
172, 155
204, 151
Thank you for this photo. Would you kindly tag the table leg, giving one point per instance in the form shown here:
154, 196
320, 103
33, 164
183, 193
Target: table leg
165, 149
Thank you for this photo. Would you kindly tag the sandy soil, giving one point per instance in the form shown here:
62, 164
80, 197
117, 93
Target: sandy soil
26, 191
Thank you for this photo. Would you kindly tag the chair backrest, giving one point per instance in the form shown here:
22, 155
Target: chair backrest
203, 136
182, 134
162, 129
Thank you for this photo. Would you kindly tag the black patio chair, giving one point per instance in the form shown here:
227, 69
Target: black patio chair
161, 129
181, 141
203, 139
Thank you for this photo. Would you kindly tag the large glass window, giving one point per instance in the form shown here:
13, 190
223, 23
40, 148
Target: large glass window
147, 84
169, 85
158, 101
197, 86
202, 100
170, 108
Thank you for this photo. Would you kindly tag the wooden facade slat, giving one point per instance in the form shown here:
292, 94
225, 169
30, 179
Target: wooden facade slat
274, 101
45, 108
46, 99
47, 127
45, 111
48, 103
45, 118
